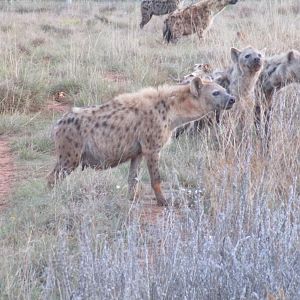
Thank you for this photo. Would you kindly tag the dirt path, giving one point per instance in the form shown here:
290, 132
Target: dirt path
6, 171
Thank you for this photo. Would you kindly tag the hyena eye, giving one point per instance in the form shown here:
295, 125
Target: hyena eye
216, 93
259, 55
247, 56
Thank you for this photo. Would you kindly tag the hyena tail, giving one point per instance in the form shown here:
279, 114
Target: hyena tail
167, 33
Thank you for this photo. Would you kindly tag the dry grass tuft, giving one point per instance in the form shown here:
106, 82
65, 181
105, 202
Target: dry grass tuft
235, 232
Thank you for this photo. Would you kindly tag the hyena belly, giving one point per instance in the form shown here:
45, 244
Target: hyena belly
98, 157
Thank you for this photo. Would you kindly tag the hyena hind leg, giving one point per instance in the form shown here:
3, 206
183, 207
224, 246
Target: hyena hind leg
146, 17
133, 177
60, 171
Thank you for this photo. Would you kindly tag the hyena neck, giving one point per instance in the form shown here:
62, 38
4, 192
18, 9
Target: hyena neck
243, 83
183, 109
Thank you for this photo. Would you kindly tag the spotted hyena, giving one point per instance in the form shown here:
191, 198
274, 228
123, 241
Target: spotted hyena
131, 127
196, 18
156, 8
239, 80
279, 71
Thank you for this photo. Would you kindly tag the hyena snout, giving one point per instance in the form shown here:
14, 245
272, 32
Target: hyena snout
256, 63
229, 102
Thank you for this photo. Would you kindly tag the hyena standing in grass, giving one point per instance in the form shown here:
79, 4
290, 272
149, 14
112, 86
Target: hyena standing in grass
130, 127
156, 8
239, 80
279, 71
196, 18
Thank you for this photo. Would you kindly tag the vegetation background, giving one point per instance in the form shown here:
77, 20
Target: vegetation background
236, 232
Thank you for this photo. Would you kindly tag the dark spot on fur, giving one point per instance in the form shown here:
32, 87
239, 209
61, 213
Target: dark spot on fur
112, 127
60, 156
76, 121
70, 120
104, 124
69, 154
89, 119
69, 139
136, 111
92, 131
78, 127
97, 125
60, 121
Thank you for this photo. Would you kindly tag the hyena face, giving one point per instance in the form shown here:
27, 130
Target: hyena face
215, 96
286, 72
249, 59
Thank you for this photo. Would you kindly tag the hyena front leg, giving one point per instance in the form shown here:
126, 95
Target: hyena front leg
132, 177
153, 167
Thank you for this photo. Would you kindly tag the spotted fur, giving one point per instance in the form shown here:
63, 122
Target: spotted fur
196, 18
131, 127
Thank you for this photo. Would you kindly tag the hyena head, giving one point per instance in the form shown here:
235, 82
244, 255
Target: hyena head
248, 59
286, 72
214, 96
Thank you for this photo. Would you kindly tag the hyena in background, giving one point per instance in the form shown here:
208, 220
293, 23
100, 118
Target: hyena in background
132, 127
239, 80
196, 18
279, 71
156, 8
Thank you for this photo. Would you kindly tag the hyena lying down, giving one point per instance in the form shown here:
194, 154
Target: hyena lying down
196, 18
156, 8
130, 127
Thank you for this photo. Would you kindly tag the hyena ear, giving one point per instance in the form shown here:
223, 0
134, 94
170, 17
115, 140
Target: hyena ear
263, 51
235, 53
290, 56
195, 86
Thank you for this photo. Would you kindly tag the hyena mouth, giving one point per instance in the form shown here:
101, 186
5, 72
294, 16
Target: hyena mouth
255, 67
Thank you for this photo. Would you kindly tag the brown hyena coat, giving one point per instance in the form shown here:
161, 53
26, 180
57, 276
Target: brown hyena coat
278, 71
130, 127
195, 18
156, 8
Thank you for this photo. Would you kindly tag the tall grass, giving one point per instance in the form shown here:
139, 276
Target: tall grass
233, 232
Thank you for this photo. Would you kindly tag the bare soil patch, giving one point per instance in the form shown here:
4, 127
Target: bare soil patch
7, 171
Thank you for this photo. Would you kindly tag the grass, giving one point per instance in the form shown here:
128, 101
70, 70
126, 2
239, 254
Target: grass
236, 232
